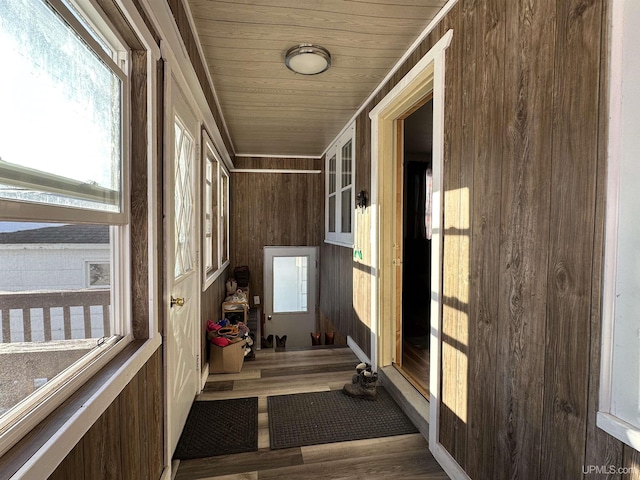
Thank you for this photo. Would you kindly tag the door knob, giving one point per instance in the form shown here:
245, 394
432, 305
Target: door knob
177, 301
269, 317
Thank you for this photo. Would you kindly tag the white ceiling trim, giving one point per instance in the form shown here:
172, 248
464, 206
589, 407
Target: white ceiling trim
436, 20
271, 170
254, 155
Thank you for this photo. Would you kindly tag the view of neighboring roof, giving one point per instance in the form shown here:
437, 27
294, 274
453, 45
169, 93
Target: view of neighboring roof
58, 234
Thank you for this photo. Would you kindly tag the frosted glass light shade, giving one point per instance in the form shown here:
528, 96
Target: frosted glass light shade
307, 59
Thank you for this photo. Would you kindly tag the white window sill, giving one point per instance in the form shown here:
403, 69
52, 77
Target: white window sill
623, 431
214, 276
42, 450
338, 243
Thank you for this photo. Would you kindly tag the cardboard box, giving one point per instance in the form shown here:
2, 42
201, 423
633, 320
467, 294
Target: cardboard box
227, 359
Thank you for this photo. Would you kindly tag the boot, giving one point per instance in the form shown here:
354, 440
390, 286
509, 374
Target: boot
315, 338
361, 367
329, 338
266, 342
365, 387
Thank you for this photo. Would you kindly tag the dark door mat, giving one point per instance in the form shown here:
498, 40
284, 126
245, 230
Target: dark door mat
327, 417
219, 427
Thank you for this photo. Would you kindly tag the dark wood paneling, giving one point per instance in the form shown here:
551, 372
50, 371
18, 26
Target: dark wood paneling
139, 225
102, 454
453, 414
280, 163
526, 165
483, 145
131, 442
337, 269
188, 37
573, 201
126, 441
273, 209
525, 136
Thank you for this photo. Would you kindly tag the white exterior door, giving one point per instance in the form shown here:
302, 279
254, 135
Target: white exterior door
290, 282
182, 332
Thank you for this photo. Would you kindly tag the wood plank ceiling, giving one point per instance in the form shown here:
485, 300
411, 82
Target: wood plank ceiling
270, 110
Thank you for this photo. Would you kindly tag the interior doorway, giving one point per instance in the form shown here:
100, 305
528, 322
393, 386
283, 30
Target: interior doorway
417, 196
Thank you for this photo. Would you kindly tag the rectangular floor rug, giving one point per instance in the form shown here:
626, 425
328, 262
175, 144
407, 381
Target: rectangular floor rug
219, 427
327, 417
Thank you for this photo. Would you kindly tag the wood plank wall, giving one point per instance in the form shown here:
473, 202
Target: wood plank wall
126, 441
190, 43
524, 179
345, 281
273, 209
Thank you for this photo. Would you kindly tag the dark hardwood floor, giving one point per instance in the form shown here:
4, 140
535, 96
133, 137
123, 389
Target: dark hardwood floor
415, 365
298, 371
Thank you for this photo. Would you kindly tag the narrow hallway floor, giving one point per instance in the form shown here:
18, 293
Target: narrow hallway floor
301, 371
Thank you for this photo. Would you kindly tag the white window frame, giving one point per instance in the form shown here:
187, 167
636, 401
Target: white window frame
338, 237
210, 155
25, 416
224, 210
624, 122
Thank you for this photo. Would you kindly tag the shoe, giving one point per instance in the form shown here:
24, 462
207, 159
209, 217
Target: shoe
365, 386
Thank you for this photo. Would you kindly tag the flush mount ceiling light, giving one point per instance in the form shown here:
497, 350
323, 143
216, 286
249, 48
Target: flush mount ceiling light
307, 59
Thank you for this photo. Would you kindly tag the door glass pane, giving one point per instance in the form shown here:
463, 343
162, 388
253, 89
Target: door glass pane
183, 201
290, 284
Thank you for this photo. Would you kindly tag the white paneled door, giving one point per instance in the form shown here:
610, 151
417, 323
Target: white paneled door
182, 333
290, 281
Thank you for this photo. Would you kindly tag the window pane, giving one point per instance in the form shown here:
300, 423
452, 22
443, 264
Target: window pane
224, 209
183, 201
290, 284
213, 198
332, 213
49, 318
332, 174
61, 135
346, 211
346, 164
208, 246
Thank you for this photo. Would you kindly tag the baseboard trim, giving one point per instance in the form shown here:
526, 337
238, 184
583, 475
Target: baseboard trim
357, 350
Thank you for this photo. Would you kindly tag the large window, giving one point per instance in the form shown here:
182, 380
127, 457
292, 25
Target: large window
63, 203
340, 179
214, 213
